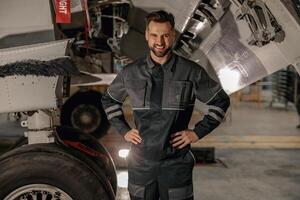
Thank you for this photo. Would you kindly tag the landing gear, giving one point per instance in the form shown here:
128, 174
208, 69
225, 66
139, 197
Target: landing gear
75, 167
49, 171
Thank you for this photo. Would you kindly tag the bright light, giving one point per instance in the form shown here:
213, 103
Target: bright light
122, 179
230, 79
123, 153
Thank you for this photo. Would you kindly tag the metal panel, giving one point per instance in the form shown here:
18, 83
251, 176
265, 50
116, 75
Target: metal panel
26, 93
236, 62
15, 40
42, 51
25, 17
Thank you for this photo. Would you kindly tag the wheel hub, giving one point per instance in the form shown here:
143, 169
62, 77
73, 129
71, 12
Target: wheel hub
38, 192
86, 118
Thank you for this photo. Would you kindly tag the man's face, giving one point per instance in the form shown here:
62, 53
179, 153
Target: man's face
160, 38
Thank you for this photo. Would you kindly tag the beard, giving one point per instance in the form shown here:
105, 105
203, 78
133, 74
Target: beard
160, 53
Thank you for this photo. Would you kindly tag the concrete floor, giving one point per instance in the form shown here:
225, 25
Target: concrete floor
257, 149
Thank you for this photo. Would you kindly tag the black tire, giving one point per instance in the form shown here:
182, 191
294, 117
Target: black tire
84, 111
19, 142
101, 165
105, 167
50, 165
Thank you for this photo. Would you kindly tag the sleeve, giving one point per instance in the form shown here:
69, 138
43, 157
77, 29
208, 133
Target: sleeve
210, 92
112, 102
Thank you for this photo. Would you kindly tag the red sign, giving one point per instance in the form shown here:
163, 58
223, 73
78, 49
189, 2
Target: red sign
63, 11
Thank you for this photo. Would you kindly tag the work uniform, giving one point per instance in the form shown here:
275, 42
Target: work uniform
162, 98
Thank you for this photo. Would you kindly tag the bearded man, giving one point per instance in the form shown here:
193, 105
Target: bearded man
162, 88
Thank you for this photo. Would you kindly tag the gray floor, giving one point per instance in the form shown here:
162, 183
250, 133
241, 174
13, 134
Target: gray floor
258, 153
250, 174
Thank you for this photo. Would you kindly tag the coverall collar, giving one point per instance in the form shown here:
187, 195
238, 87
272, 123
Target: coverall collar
168, 65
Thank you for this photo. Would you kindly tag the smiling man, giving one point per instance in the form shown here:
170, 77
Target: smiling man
162, 88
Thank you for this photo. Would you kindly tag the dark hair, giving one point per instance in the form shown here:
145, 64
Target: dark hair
160, 16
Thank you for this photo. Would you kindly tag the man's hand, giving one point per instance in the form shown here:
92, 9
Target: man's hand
133, 136
181, 139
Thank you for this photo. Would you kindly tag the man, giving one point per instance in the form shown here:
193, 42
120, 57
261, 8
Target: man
162, 88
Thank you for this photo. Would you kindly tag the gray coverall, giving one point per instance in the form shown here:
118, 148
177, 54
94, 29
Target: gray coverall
162, 98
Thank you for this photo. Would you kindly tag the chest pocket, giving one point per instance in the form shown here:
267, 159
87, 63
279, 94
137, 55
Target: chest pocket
180, 94
136, 90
